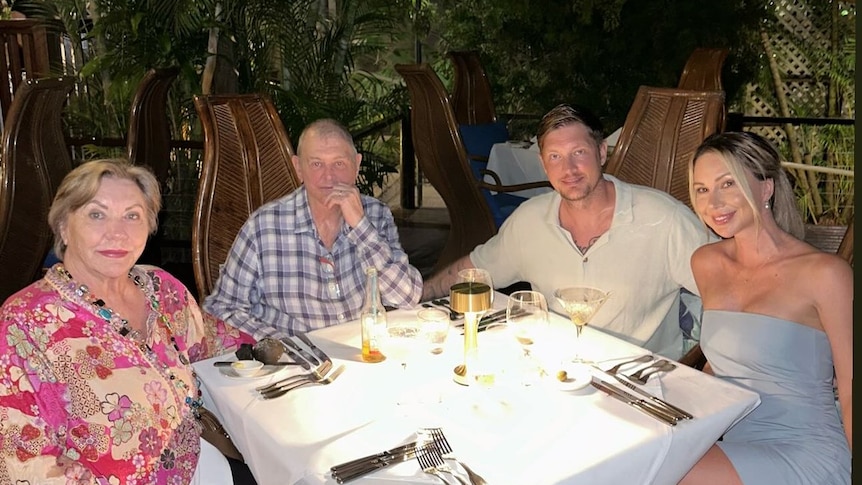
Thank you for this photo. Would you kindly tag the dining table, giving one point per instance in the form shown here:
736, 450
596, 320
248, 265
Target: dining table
517, 162
525, 427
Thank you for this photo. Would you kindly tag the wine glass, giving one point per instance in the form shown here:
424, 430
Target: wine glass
527, 320
581, 303
402, 340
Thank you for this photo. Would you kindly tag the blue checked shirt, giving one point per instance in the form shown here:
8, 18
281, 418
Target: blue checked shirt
280, 279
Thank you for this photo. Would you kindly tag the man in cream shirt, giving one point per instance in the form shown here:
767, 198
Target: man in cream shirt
595, 230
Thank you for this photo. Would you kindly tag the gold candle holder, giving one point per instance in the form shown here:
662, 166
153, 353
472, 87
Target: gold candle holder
472, 299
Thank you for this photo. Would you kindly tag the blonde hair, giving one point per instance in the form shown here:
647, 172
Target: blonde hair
81, 184
746, 152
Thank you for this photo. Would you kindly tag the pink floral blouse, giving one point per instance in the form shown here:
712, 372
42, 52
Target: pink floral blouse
82, 404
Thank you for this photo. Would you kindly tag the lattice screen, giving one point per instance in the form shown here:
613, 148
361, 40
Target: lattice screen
802, 29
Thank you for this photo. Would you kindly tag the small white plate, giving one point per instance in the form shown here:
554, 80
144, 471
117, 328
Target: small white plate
578, 377
266, 370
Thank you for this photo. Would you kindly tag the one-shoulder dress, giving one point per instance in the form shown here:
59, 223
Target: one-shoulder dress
795, 436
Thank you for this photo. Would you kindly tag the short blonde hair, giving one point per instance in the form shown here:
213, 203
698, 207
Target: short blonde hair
81, 184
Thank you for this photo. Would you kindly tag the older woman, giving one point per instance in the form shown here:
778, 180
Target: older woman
777, 319
95, 381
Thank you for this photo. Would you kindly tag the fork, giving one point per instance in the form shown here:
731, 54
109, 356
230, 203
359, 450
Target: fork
430, 460
641, 359
661, 365
317, 373
284, 390
445, 449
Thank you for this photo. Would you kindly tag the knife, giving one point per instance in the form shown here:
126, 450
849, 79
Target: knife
631, 400
340, 468
355, 472
294, 355
678, 412
227, 363
681, 413
487, 317
299, 350
314, 348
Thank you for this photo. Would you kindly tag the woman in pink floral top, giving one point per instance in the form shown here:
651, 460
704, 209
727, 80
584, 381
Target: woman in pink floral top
95, 381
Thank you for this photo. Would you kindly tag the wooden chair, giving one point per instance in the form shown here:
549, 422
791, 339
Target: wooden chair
695, 358
441, 156
702, 71
663, 129
33, 161
149, 143
149, 139
472, 101
28, 49
246, 164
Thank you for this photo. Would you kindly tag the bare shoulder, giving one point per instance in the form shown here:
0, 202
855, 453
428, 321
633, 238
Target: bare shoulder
710, 255
824, 269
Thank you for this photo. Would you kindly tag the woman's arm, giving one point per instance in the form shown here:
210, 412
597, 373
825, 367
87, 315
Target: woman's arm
833, 291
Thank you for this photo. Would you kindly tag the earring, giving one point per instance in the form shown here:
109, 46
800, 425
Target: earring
766, 205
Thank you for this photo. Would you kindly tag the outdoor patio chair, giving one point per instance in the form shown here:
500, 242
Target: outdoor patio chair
663, 129
702, 71
246, 164
149, 142
33, 161
472, 101
149, 139
29, 49
443, 159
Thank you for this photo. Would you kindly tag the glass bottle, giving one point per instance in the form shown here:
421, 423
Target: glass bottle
372, 319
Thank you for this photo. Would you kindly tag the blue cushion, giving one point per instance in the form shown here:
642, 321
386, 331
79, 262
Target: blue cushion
478, 139
501, 204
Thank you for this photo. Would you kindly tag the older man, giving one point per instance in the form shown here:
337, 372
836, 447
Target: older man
595, 230
299, 262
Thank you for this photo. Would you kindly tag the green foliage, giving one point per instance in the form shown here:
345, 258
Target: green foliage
594, 53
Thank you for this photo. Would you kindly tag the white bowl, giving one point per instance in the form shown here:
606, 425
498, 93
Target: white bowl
247, 368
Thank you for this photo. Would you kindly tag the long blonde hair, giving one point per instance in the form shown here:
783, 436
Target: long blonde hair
746, 152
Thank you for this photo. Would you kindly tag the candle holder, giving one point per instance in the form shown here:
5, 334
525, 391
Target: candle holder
472, 299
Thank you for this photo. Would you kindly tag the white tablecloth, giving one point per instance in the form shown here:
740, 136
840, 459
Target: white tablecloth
518, 162
510, 434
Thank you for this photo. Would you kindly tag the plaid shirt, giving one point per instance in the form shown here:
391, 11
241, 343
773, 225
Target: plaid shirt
279, 278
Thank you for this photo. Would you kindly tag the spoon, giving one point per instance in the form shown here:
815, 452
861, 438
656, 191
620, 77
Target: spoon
661, 365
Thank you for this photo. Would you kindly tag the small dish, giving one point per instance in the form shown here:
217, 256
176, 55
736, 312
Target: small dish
266, 370
577, 377
246, 368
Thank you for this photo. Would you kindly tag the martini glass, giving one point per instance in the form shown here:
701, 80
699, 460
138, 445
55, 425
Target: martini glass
581, 303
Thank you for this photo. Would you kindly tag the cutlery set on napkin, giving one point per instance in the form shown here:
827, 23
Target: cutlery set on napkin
432, 442
640, 398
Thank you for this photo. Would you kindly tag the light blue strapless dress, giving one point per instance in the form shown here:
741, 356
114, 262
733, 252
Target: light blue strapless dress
795, 436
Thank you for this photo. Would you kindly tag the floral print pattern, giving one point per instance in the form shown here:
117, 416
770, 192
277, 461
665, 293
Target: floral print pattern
81, 404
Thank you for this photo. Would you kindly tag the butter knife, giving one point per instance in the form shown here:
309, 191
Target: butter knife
635, 402
294, 355
299, 350
314, 348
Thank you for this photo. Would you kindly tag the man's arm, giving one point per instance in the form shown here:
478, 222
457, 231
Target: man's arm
377, 243
438, 285
237, 291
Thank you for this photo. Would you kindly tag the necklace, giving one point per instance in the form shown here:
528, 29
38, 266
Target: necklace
122, 326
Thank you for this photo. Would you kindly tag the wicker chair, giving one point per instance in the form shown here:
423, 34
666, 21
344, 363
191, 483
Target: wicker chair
702, 71
443, 159
246, 164
472, 101
149, 140
663, 129
33, 162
